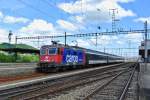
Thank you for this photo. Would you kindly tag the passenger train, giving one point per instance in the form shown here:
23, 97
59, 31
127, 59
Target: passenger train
57, 57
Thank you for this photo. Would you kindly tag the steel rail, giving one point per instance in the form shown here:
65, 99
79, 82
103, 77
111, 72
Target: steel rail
44, 81
122, 96
42, 84
101, 87
56, 76
74, 85
67, 87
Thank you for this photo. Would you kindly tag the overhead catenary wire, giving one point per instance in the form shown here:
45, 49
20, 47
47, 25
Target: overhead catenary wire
87, 34
36, 9
53, 5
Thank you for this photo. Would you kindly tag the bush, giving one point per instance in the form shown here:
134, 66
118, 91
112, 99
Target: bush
6, 58
30, 58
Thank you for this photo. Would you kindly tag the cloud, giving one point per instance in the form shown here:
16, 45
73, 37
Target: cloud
66, 25
143, 19
79, 19
82, 43
125, 1
12, 20
38, 25
134, 37
1, 15
3, 35
88, 9
120, 42
102, 40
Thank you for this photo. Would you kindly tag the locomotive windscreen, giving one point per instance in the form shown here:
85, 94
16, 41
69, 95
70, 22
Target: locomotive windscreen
43, 52
52, 51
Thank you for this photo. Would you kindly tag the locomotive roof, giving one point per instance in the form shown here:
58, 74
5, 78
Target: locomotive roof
86, 50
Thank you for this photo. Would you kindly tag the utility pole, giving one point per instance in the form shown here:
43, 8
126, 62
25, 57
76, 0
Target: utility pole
16, 40
38, 43
129, 46
96, 39
146, 58
114, 11
65, 38
97, 35
104, 50
16, 47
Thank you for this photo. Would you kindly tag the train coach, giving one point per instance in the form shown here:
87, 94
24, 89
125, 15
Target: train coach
57, 57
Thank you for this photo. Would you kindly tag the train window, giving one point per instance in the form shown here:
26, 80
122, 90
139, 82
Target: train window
43, 52
52, 51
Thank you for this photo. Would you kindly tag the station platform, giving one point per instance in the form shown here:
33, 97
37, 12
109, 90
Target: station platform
13, 69
144, 81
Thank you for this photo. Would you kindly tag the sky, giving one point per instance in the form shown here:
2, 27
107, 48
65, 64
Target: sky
55, 17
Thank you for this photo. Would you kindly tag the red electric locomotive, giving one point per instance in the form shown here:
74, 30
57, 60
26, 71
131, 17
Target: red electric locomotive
54, 57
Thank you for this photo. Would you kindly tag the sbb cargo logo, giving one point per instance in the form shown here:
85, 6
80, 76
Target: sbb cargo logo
71, 58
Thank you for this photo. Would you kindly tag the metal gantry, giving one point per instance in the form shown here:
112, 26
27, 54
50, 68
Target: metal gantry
86, 34
114, 20
144, 31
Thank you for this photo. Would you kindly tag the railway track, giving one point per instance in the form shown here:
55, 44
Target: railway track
6, 79
49, 89
114, 89
105, 89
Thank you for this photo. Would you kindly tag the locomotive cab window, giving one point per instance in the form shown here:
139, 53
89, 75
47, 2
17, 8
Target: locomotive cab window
52, 51
43, 52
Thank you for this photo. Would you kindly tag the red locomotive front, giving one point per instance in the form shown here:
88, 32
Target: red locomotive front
53, 57
50, 55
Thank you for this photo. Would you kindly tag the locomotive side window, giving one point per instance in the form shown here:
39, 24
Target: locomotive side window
43, 52
52, 51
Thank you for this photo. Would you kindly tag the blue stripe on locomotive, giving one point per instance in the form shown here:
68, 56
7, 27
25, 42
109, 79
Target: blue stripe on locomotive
71, 56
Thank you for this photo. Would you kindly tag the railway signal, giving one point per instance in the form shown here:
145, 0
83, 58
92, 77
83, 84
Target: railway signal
9, 36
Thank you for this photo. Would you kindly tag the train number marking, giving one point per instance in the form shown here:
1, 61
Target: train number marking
71, 58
